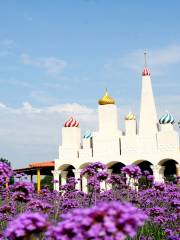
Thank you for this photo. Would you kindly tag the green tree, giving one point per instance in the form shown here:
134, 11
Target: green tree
4, 160
47, 181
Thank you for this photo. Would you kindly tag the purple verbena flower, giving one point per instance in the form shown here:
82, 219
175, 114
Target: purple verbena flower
22, 191
25, 225
114, 220
132, 171
5, 172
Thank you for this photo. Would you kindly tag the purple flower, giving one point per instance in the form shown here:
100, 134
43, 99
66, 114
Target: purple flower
25, 225
159, 186
150, 178
37, 205
5, 172
93, 168
22, 191
132, 171
55, 181
103, 175
146, 173
156, 211
70, 185
114, 220
94, 182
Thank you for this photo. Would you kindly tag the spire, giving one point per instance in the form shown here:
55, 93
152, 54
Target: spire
148, 116
145, 59
146, 71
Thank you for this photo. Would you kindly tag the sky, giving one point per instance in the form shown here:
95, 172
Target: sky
57, 57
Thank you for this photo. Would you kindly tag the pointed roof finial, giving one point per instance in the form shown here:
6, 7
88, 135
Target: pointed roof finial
145, 58
146, 71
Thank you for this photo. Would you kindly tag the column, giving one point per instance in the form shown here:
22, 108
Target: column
109, 185
78, 178
7, 183
177, 170
131, 182
161, 173
64, 177
56, 174
158, 173
31, 178
84, 184
103, 185
38, 180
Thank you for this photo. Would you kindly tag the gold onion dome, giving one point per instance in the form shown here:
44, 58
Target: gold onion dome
130, 116
106, 99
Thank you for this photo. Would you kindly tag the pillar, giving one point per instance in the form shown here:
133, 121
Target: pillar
177, 170
64, 177
56, 174
103, 185
84, 184
31, 178
78, 178
7, 183
38, 180
158, 173
109, 185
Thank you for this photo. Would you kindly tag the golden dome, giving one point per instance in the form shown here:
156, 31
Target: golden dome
130, 116
106, 99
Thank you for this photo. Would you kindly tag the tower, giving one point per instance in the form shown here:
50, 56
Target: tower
71, 140
108, 119
106, 141
148, 117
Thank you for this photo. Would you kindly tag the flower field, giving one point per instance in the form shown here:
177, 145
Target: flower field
134, 207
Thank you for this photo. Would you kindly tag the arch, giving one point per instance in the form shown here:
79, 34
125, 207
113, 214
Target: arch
144, 165
84, 165
68, 168
65, 167
115, 166
163, 161
137, 162
170, 168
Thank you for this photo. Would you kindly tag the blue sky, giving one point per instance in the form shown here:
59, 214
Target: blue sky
57, 57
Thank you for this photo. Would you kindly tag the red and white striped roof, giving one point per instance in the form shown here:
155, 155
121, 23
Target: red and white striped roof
71, 123
146, 72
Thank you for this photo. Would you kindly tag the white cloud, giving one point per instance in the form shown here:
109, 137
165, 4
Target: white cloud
30, 134
52, 65
157, 59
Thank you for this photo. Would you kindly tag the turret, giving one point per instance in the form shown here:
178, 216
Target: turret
168, 138
71, 139
130, 124
166, 122
148, 117
108, 120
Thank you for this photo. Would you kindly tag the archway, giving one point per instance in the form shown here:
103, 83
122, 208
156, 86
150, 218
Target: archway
82, 166
117, 177
144, 166
66, 173
115, 167
171, 169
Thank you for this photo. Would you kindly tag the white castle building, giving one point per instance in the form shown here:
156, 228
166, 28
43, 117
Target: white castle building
154, 145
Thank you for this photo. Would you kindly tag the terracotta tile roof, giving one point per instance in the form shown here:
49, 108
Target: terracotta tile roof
42, 164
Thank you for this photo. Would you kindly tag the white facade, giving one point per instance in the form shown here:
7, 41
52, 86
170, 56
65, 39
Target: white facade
152, 142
